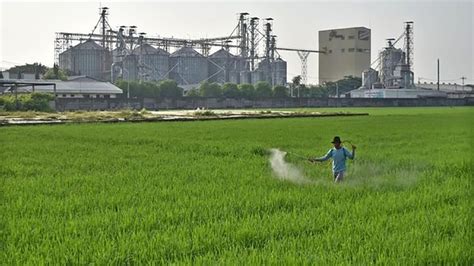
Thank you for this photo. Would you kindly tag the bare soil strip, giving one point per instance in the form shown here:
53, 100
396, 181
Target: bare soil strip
31, 118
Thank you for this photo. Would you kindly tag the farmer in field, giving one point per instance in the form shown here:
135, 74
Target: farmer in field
338, 154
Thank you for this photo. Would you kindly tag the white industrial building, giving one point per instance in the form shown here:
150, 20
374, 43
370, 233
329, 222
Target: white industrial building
347, 53
74, 87
401, 93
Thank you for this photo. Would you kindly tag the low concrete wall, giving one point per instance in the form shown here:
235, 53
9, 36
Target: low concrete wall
65, 104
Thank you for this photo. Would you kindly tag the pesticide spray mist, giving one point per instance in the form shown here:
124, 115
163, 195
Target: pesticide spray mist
285, 171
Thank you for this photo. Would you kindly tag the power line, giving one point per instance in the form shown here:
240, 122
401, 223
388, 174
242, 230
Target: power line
444, 80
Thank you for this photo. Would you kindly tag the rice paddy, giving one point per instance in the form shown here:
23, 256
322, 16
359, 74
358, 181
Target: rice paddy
203, 192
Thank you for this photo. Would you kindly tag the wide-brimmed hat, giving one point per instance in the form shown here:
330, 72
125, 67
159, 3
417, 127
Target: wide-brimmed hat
336, 140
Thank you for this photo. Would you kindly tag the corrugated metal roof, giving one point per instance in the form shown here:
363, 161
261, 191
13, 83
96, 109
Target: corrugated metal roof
161, 51
76, 85
88, 45
186, 52
148, 49
88, 87
221, 53
145, 49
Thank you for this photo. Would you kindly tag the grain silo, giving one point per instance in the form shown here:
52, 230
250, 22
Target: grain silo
86, 58
256, 76
279, 74
153, 63
124, 65
221, 65
130, 67
245, 77
369, 77
187, 66
263, 72
390, 57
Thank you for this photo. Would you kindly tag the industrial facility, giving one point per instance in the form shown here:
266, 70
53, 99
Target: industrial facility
391, 74
248, 55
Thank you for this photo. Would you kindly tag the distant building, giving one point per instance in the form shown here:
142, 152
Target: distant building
9, 75
347, 53
396, 93
447, 87
74, 87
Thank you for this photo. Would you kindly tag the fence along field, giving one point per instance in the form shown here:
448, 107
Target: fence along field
204, 192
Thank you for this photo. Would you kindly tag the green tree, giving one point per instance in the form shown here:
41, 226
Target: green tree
136, 89
343, 86
303, 91
295, 86
169, 89
230, 90
35, 68
55, 73
263, 89
150, 89
247, 91
193, 93
296, 80
210, 89
280, 91
318, 91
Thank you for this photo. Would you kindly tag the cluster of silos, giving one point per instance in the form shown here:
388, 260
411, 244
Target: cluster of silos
394, 71
186, 66
225, 67
87, 58
272, 71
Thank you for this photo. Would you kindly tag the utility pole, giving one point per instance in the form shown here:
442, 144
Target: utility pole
17, 104
462, 80
438, 75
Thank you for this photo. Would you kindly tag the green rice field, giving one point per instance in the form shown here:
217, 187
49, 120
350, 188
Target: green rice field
203, 192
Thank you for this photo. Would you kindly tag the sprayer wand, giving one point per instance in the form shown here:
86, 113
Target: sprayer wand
299, 156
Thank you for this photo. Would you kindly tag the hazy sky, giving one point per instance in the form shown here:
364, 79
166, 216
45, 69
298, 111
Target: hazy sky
442, 29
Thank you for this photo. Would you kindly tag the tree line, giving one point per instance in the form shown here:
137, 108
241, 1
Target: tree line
170, 89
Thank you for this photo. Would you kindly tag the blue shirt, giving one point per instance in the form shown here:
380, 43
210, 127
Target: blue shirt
338, 158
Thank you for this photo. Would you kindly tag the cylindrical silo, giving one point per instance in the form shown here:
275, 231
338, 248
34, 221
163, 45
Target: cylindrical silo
187, 66
221, 64
369, 77
152, 62
279, 72
389, 59
86, 58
